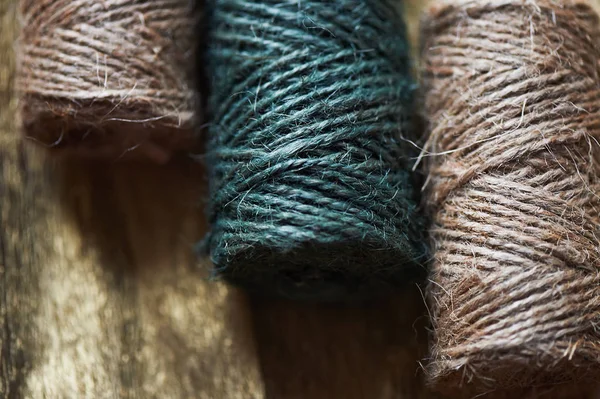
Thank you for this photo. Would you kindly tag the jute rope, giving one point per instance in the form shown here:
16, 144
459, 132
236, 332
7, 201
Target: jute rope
512, 95
110, 74
311, 188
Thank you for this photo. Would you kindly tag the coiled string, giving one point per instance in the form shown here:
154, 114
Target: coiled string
311, 191
108, 76
512, 93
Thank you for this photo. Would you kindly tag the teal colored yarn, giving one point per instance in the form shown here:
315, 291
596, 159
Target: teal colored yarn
311, 194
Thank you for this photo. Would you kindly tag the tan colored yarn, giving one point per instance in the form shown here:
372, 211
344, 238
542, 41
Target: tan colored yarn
512, 96
108, 76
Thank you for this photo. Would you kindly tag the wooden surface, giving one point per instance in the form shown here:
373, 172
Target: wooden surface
101, 296
100, 293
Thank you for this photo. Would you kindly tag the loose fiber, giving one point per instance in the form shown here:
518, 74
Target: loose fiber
512, 96
107, 77
311, 192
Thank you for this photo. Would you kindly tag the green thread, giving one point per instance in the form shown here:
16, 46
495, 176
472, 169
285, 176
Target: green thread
311, 194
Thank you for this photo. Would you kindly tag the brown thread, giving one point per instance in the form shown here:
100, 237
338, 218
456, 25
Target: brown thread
107, 76
512, 95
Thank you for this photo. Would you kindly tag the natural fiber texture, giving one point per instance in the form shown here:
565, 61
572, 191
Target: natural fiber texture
311, 191
512, 94
91, 69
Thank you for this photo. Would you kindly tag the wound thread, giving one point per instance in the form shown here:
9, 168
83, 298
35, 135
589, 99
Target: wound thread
107, 77
512, 96
311, 191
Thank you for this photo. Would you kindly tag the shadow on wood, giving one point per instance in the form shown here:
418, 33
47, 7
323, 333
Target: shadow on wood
315, 351
112, 299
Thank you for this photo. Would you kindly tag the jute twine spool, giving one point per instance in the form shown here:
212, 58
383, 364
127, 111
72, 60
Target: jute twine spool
311, 191
512, 95
108, 77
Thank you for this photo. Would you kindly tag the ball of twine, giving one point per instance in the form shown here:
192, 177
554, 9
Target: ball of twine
311, 191
107, 76
512, 95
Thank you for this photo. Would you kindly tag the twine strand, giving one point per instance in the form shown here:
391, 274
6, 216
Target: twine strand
311, 190
85, 64
513, 156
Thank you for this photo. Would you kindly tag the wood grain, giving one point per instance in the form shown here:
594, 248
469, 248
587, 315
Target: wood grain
101, 295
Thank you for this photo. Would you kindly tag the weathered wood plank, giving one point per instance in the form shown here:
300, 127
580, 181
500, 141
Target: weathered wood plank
101, 295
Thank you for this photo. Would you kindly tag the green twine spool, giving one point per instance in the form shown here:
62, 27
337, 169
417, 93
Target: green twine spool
311, 195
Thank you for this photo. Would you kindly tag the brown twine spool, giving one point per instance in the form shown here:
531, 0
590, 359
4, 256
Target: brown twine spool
513, 102
107, 77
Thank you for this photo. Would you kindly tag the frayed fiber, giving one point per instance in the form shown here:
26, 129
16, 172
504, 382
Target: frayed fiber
108, 77
311, 193
512, 97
